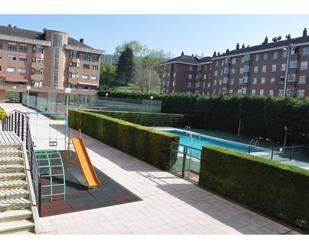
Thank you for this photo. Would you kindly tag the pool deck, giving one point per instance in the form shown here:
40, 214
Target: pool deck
169, 205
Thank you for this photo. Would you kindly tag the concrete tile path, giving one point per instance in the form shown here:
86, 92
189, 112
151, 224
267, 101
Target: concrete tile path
170, 205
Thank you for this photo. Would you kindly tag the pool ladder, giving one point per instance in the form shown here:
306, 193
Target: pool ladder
253, 143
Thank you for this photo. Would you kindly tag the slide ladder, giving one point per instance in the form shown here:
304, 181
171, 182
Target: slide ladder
85, 163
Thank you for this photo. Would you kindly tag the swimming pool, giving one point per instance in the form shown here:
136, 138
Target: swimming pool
197, 141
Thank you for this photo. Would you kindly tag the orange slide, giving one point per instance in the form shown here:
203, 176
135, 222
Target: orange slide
85, 163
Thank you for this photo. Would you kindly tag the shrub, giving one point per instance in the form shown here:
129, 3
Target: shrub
2, 113
147, 144
260, 116
275, 189
154, 119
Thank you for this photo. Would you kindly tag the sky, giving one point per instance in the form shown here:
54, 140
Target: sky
192, 34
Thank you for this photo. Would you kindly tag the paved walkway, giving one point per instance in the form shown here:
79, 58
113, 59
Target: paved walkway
169, 205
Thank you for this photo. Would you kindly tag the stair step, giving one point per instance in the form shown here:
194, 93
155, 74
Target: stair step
14, 226
11, 160
13, 215
10, 152
12, 168
14, 193
13, 184
9, 146
10, 204
12, 176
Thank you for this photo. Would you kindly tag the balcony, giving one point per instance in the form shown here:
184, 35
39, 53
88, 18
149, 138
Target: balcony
37, 77
73, 69
37, 66
74, 59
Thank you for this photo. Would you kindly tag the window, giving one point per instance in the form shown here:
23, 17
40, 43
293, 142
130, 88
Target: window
256, 69
265, 56
190, 68
289, 91
257, 57
253, 91
300, 93
272, 80
74, 64
231, 81
225, 80
22, 71
216, 73
174, 74
226, 70
86, 57
302, 79
283, 67
254, 80
189, 84
220, 82
240, 81
230, 90
271, 92
264, 68
282, 79
96, 67
11, 69
263, 80
245, 79
241, 70
292, 77
11, 57
304, 65
284, 53
246, 68
73, 75
86, 66
232, 70
12, 46
245, 58
215, 82
37, 49
305, 51
197, 84
23, 48
222, 62
234, 61
95, 57
274, 68
85, 76
280, 92
37, 60
261, 92
22, 58
204, 76
37, 71
1, 45
275, 55
74, 54
190, 76
293, 64
93, 77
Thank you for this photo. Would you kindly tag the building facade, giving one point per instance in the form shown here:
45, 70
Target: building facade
279, 68
49, 60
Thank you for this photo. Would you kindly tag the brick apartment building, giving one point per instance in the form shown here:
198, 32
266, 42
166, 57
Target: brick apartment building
48, 61
258, 70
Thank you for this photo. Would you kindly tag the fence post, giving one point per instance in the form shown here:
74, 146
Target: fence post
272, 153
184, 160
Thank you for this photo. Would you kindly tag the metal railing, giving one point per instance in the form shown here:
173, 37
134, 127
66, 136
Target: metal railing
185, 161
18, 122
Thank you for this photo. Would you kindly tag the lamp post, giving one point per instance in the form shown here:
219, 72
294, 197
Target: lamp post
28, 92
67, 92
285, 136
288, 50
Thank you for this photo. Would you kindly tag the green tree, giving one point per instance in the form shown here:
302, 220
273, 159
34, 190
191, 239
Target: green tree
107, 74
125, 66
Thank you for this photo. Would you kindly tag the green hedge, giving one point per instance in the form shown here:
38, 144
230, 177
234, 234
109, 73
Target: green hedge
261, 116
154, 119
2, 113
275, 189
147, 144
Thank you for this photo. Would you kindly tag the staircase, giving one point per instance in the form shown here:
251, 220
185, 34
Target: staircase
15, 203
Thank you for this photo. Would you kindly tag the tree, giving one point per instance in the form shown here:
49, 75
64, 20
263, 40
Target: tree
125, 66
107, 74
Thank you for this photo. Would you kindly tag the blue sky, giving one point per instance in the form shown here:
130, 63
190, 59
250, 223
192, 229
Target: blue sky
173, 33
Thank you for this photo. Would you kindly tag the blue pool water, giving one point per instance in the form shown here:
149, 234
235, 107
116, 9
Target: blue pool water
199, 140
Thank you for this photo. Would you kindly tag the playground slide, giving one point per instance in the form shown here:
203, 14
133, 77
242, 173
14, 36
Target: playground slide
85, 163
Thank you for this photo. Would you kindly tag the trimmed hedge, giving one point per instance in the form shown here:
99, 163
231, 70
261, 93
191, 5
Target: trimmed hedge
154, 119
261, 116
147, 144
2, 113
275, 189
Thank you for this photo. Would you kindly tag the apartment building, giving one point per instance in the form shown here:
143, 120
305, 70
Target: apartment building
277, 68
48, 61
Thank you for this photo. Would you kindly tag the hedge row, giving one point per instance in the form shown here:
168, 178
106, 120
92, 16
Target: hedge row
2, 113
275, 189
147, 144
154, 119
260, 116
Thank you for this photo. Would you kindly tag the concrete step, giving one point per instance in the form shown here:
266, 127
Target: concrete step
11, 160
14, 215
12, 168
10, 153
13, 204
14, 193
10, 146
13, 184
16, 226
12, 176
